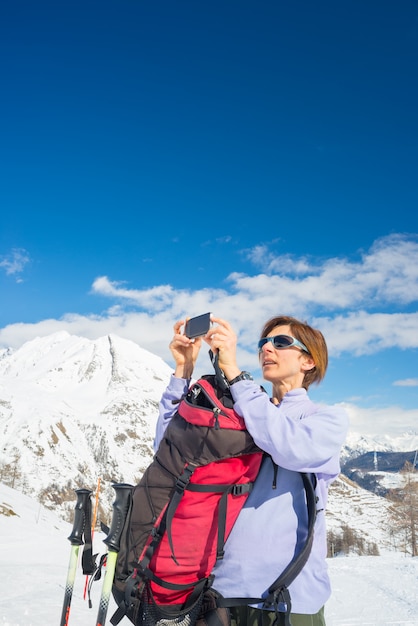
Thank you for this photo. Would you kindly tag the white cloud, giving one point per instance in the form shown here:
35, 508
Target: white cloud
154, 299
407, 382
392, 420
326, 295
15, 262
386, 274
367, 333
225, 239
262, 257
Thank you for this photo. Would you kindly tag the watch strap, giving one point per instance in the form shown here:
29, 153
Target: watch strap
242, 376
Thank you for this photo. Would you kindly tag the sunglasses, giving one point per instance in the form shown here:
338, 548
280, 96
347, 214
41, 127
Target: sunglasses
282, 341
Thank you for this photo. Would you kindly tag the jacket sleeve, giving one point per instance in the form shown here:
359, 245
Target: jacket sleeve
176, 389
298, 434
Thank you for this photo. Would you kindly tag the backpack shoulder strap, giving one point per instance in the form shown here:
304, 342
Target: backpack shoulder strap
297, 564
278, 597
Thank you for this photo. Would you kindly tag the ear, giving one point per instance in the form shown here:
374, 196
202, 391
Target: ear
308, 363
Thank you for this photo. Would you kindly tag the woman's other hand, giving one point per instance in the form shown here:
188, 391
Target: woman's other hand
223, 341
185, 351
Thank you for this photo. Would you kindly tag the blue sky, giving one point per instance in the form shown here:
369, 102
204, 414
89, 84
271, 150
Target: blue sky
162, 159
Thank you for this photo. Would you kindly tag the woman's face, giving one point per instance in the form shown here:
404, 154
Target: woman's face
285, 365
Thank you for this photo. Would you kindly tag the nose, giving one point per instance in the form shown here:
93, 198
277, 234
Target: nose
267, 347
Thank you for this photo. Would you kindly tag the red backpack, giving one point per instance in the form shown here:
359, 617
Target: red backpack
183, 509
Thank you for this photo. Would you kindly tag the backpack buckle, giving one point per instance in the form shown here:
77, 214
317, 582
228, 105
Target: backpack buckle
241, 488
184, 478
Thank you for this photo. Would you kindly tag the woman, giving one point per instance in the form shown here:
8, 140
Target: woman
299, 436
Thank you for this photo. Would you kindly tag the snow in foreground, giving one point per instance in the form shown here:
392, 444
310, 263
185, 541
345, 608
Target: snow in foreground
367, 591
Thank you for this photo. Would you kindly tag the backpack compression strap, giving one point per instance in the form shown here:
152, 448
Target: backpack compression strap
183, 483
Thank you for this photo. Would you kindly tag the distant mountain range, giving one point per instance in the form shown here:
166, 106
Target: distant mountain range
369, 469
73, 410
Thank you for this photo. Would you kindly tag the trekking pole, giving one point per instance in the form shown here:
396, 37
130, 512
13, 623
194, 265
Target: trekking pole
93, 526
76, 540
120, 509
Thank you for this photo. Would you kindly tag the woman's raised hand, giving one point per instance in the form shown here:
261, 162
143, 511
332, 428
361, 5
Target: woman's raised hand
223, 341
184, 350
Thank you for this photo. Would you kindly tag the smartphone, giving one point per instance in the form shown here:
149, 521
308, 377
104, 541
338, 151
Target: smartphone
197, 326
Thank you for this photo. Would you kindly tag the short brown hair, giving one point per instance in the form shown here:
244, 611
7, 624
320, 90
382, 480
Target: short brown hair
312, 338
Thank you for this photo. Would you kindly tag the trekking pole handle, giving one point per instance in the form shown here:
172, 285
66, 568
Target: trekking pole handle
120, 510
76, 537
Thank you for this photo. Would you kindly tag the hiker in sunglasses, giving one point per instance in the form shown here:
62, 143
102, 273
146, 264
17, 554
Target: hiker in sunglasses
298, 436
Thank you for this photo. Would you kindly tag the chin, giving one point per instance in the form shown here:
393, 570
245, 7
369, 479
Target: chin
268, 375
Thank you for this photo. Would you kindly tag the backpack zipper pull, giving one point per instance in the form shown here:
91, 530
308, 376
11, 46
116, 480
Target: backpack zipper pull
216, 412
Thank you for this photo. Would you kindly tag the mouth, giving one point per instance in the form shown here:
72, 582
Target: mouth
267, 362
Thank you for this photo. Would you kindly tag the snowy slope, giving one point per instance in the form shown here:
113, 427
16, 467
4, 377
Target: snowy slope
34, 561
361, 510
367, 591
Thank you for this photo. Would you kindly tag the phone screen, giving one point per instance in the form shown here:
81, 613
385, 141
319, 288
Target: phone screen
197, 326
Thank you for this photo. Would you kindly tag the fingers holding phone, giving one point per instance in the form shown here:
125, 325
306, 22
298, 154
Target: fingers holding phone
223, 333
184, 350
223, 340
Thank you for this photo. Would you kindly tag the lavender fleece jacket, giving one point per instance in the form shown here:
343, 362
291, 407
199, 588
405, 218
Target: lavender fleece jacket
300, 436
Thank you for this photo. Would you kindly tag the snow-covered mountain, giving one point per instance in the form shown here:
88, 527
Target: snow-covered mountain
357, 444
73, 410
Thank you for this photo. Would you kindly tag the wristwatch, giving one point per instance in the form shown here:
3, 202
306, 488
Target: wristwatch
242, 376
